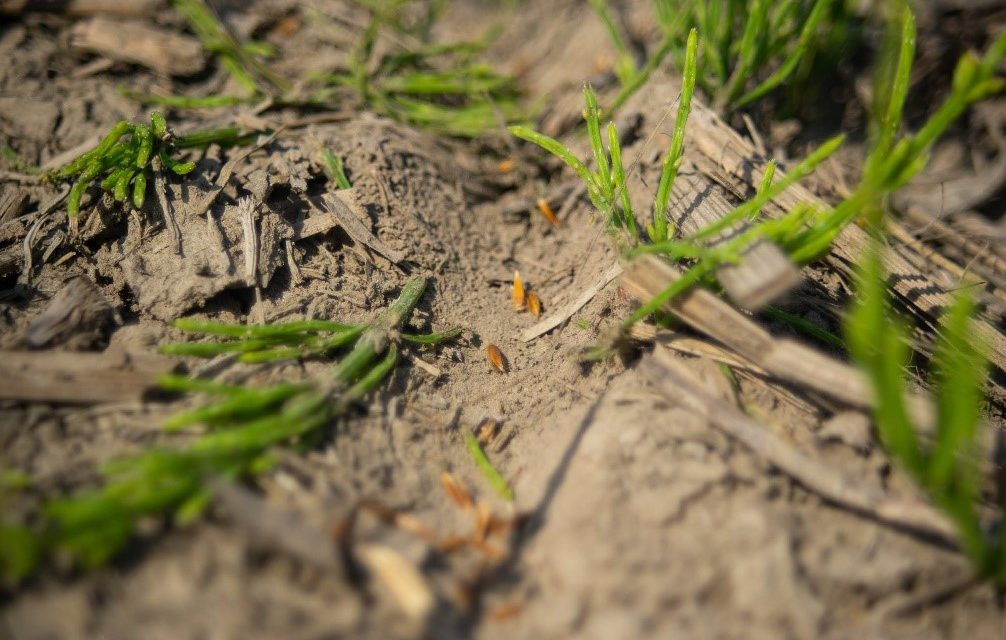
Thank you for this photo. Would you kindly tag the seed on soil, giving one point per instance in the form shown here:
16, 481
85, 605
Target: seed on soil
455, 491
496, 358
486, 431
506, 611
505, 166
518, 292
546, 210
534, 304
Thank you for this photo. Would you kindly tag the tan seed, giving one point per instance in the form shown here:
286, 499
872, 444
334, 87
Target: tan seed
546, 210
534, 304
456, 491
518, 292
496, 358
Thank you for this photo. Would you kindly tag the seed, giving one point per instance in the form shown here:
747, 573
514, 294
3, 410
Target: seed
534, 304
455, 491
496, 358
546, 210
505, 165
518, 292
486, 431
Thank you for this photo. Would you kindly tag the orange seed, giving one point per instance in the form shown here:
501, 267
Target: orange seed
455, 491
518, 291
534, 304
546, 210
495, 357
505, 166
486, 431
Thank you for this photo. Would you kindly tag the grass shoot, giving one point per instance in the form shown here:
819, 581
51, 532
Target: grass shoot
242, 427
127, 156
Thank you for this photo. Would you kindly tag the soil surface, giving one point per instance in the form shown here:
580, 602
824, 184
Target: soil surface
633, 518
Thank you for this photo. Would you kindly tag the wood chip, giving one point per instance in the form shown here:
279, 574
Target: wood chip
166, 52
784, 359
80, 378
77, 316
566, 312
673, 379
486, 430
347, 212
12, 203
402, 579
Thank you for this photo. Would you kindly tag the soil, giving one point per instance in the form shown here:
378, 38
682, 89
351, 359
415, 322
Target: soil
636, 518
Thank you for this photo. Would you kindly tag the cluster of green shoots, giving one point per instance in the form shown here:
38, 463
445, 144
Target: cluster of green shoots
442, 87
437, 86
239, 431
606, 184
806, 233
243, 61
126, 157
947, 468
749, 47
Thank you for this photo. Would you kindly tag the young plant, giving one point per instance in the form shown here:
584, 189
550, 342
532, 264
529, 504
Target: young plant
242, 427
749, 47
625, 66
241, 60
606, 185
441, 87
124, 158
806, 234
606, 188
879, 343
895, 160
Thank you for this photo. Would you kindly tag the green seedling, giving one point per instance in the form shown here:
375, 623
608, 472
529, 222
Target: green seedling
946, 468
895, 160
485, 465
806, 234
240, 430
607, 190
675, 155
124, 159
241, 60
441, 87
606, 184
749, 47
625, 66
16, 162
334, 169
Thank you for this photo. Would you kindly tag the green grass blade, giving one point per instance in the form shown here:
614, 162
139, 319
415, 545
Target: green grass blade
960, 378
789, 65
673, 158
335, 170
592, 116
495, 478
557, 149
752, 206
432, 338
620, 183
880, 345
